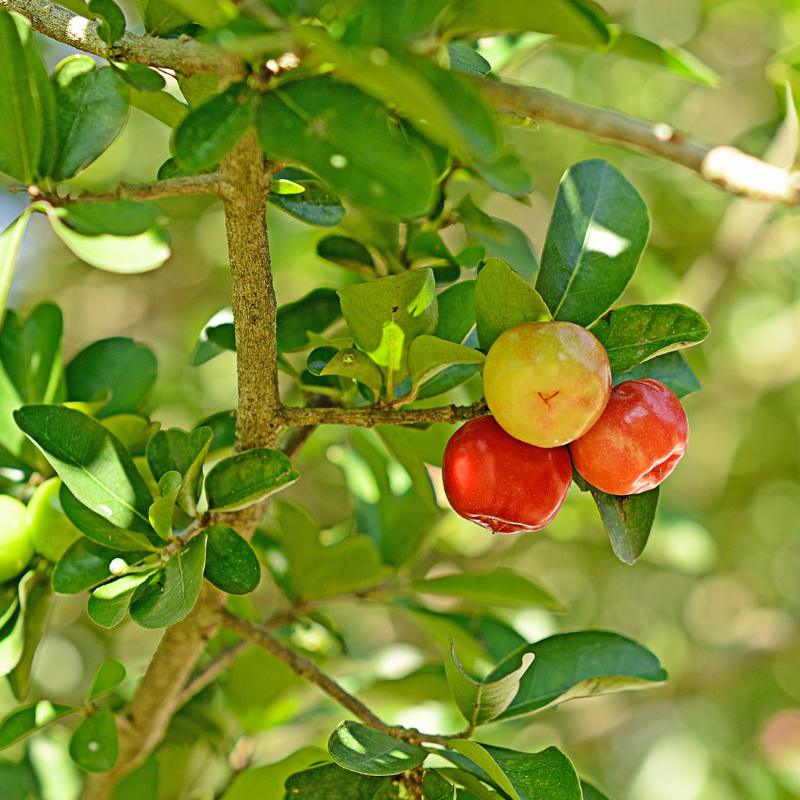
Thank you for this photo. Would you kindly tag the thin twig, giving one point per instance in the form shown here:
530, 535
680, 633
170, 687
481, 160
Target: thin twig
731, 169
307, 669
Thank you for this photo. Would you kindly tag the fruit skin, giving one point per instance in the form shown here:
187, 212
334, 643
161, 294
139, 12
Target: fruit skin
637, 442
546, 383
16, 548
50, 530
501, 483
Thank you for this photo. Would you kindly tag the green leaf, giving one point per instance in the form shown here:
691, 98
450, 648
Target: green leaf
24, 721
174, 449
664, 54
84, 565
503, 299
506, 172
671, 369
546, 775
92, 106
246, 478
141, 784
126, 255
168, 110
22, 119
331, 781
435, 787
429, 355
10, 241
456, 311
108, 677
120, 218
140, 77
400, 443
160, 17
170, 595
348, 139
317, 570
360, 749
163, 507
211, 130
91, 462
268, 780
352, 363
12, 626
572, 21
118, 368
112, 25
231, 564
317, 205
499, 587
386, 315
480, 702
99, 530
628, 521
315, 312
596, 235
94, 745
30, 353
632, 334
464, 59
590, 792
109, 603
346, 252
579, 664
209, 13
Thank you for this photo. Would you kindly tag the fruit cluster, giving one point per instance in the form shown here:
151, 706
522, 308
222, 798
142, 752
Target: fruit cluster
40, 527
548, 386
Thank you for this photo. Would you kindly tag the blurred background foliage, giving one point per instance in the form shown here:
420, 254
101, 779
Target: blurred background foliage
717, 593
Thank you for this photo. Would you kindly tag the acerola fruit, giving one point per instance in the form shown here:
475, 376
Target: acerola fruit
16, 548
50, 530
546, 383
501, 483
637, 442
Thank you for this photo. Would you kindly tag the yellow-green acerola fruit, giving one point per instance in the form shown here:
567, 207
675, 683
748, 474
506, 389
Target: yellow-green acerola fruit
546, 383
16, 548
50, 530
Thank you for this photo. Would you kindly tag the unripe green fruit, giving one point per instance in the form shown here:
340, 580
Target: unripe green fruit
16, 548
50, 530
546, 383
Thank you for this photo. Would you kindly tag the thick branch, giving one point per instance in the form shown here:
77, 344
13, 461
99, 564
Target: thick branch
253, 296
171, 187
727, 167
307, 669
186, 56
370, 416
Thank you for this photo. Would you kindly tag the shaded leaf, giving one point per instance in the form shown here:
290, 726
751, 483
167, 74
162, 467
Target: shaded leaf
141, 77
84, 565
627, 520
596, 235
346, 252
671, 369
109, 603
119, 368
316, 205
268, 780
429, 355
231, 564
108, 677
112, 20
348, 139
500, 587
10, 241
456, 311
24, 721
92, 106
314, 312
590, 792
331, 781
352, 363
35, 600
163, 507
360, 749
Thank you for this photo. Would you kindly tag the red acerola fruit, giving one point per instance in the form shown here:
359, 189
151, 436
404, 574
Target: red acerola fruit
502, 483
637, 442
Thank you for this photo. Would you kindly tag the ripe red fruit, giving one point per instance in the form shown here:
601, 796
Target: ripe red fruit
502, 483
637, 442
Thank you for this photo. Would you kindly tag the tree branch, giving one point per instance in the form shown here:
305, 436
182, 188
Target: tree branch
370, 416
307, 669
183, 55
727, 167
209, 184
255, 309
